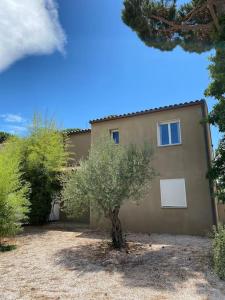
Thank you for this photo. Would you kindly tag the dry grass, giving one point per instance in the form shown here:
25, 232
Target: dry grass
58, 263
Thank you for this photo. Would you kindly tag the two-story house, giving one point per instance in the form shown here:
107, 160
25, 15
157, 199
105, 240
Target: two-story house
180, 199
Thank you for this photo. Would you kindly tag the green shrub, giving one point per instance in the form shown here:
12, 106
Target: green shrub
14, 205
219, 251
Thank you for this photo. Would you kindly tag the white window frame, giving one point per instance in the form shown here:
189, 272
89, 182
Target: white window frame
111, 134
184, 205
169, 126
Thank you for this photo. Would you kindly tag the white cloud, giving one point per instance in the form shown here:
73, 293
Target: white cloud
12, 118
28, 27
13, 123
16, 129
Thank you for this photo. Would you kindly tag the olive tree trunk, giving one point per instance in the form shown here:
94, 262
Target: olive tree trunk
117, 235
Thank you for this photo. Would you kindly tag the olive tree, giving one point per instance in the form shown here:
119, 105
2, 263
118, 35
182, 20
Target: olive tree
110, 176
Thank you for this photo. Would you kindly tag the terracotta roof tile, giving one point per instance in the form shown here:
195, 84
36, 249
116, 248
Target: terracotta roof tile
77, 131
147, 111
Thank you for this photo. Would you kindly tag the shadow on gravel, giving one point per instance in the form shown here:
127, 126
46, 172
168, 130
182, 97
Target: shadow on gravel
55, 226
141, 265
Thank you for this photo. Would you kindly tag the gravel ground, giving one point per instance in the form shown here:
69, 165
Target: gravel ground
60, 263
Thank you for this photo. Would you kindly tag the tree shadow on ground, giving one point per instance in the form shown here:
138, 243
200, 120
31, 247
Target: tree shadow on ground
55, 226
140, 265
146, 238
30, 230
83, 230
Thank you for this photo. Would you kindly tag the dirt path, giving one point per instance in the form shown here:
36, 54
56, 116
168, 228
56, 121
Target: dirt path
65, 264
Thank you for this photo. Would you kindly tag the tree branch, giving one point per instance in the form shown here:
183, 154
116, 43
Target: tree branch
182, 27
213, 14
194, 11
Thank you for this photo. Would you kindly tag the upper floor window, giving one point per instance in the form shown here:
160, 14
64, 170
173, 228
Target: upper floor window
115, 136
169, 133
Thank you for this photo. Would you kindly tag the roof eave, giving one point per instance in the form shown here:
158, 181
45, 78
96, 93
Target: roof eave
149, 111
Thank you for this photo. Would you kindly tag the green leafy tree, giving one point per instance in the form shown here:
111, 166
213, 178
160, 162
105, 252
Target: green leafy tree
14, 204
217, 171
110, 176
216, 89
44, 155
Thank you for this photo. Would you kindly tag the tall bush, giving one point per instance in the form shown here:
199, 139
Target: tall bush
219, 251
14, 204
44, 155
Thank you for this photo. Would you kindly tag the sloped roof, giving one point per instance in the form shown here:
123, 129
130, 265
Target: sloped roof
77, 131
148, 111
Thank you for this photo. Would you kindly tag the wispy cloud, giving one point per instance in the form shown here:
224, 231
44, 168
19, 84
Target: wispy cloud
12, 118
13, 129
13, 123
29, 27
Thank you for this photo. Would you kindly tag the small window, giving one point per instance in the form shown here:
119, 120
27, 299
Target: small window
173, 193
115, 136
169, 133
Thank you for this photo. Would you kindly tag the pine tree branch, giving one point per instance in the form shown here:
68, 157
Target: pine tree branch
194, 11
183, 27
210, 5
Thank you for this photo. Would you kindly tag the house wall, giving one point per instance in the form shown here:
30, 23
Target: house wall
79, 145
188, 161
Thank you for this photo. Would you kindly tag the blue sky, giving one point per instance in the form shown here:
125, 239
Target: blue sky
105, 69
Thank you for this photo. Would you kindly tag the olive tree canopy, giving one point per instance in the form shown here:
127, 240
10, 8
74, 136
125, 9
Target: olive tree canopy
110, 176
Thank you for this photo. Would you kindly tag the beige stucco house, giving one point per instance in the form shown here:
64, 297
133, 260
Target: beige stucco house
180, 199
